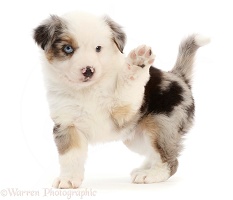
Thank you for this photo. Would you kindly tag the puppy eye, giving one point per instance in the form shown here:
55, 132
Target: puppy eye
98, 48
68, 49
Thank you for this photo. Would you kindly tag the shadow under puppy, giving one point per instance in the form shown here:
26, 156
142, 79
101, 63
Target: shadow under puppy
96, 94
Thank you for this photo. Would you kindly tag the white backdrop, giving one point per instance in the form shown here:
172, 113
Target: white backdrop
27, 151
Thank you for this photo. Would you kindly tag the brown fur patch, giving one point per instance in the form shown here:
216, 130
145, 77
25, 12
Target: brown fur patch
52, 35
160, 142
148, 123
56, 50
122, 115
66, 138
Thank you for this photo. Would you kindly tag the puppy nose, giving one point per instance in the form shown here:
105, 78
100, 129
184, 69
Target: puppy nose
88, 71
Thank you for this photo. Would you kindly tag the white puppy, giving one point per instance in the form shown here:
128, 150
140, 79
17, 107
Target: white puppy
95, 95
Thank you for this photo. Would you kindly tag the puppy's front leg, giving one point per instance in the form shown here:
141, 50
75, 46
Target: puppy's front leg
72, 148
139, 61
130, 85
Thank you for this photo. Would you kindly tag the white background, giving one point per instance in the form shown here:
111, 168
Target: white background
28, 157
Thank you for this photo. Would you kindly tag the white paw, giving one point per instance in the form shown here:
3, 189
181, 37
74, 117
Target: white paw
142, 56
153, 175
66, 183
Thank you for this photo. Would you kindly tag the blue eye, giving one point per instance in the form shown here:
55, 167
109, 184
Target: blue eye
98, 48
68, 49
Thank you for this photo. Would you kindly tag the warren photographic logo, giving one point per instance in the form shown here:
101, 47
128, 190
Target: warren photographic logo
49, 192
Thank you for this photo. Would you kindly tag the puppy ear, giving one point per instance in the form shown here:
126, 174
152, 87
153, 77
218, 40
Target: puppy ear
119, 37
48, 31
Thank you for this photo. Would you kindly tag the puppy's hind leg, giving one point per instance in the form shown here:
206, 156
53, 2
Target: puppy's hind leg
160, 162
153, 169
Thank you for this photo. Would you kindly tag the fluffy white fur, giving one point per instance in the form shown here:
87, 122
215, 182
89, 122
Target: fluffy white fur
87, 105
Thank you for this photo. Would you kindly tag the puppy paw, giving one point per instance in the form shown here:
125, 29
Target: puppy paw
153, 175
67, 183
142, 56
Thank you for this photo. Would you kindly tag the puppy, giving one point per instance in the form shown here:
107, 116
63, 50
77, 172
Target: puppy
96, 94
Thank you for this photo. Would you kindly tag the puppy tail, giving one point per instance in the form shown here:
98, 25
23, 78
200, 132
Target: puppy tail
186, 55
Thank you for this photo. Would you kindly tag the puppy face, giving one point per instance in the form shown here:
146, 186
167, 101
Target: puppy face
80, 48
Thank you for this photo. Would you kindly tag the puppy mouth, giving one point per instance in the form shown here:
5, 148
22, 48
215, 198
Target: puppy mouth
86, 79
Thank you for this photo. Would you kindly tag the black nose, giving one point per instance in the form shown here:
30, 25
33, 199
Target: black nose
88, 71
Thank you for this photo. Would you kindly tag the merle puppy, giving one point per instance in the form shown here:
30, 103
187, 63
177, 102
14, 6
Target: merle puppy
96, 94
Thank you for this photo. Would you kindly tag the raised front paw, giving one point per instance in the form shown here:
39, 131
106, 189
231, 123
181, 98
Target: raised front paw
142, 56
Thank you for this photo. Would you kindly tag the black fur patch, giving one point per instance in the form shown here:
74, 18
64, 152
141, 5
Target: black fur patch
160, 101
56, 128
48, 31
142, 66
190, 111
119, 37
41, 36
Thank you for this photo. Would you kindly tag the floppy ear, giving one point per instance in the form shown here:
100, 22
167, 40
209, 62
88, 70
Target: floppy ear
48, 31
119, 37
